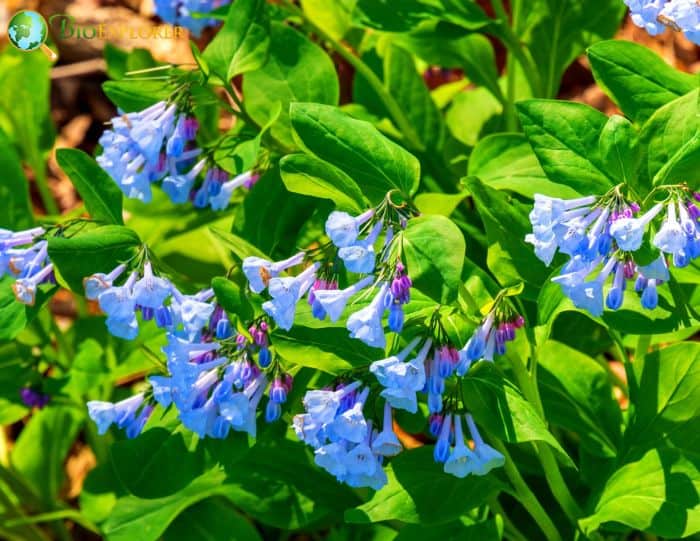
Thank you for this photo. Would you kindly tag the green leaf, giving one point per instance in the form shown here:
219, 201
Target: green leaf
240, 248
213, 519
147, 518
499, 406
231, 298
434, 248
403, 16
14, 189
297, 70
619, 66
377, 164
446, 45
42, 447
464, 530
242, 44
409, 90
24, 106
671, 143
577, 395
556, 33
132, 95
668, 402
657, 494
14, 316
98, 250
619, 149
564, 136
505, 161
334, 17
278, 484
102, 196
415, 480
328, 349
307, 175
443, 204
473, 114
509, 258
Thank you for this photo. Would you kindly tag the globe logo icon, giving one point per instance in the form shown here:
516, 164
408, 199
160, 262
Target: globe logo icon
28, 32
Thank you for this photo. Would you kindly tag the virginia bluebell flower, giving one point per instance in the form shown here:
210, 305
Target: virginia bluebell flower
334, 301
366, 323
461, 460
360, 257
386, 443
123, 414
343, 229
682, 16
286, 293
221, 199
187, 13
488, 339
645, 14
259, 271
488, 457
33, 398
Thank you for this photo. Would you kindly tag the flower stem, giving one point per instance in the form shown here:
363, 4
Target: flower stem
525, 496
506, 34
555, 479
411, 137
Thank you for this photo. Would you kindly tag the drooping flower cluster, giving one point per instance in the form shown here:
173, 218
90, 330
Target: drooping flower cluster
344, 442
188, 13
385, 274
656, 15
490, 337
156, 145
459, 459
149, 294
212, 380
130, 414
27, 260
428, 372
601, 237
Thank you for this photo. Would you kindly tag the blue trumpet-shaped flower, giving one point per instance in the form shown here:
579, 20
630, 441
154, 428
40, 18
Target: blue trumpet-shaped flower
343, 229
259, 271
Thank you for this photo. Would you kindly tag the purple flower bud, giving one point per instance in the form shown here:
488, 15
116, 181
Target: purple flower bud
278, 391
435, 423
693, 210
635, 207
696, 196
241, 341
519, 322
629, 269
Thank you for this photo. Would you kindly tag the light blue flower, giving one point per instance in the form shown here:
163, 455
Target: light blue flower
106, 413
99, 282
128, 329
351, 424
333, 301
645, 14
344, 229
151, 291
360, 257
118, 301
386, 443
462, 460
488, 457
670, 238
650, 297
366, 324
322, 406
332, 458
25, 289
259, 271
629, 232
221, 200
